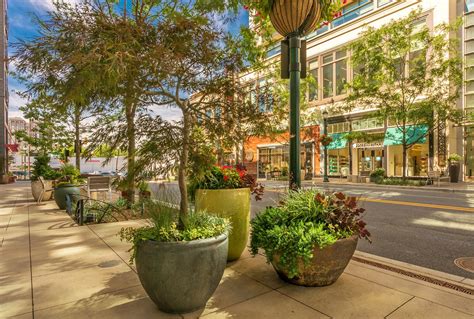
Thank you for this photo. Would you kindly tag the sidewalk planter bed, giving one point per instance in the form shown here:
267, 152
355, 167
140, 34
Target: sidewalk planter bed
233, 204
225, 192
311, 237
179, 268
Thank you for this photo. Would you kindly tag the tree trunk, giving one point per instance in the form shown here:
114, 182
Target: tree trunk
404, 161
77, 141
183, 163
131, 153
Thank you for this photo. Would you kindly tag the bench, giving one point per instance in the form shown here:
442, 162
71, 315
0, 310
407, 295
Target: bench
99, 184
436, 176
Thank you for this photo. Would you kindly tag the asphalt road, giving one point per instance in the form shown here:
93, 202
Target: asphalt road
425, 228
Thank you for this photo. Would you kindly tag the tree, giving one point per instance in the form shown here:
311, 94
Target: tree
410, 75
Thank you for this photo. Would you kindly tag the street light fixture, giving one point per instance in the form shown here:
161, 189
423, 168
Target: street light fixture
294, 19
325, 132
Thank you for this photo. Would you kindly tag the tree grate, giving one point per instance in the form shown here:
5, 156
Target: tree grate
425, 278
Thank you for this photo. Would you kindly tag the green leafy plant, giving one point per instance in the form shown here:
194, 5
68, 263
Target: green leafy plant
41, 168
69, 174
164, 219
305, 219
399, 181
225, 177
454, 157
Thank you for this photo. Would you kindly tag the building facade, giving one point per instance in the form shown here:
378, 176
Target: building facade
4, 131
328, 62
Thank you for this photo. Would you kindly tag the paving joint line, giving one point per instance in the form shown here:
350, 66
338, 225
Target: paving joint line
412, 274
31, 261
403, 304
282, 293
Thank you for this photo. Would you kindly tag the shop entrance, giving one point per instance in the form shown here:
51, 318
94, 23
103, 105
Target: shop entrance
370, 159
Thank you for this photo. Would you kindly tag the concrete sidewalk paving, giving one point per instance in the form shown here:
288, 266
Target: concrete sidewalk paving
52, 268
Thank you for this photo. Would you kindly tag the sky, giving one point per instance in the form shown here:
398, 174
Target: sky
20, 14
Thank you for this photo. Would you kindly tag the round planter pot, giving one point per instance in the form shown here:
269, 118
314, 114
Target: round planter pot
233, 204
61, 192
325, 267
180, 277
454, 169
36, 190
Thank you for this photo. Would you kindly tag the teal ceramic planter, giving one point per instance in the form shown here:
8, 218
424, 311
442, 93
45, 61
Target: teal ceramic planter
61, 192
180, 277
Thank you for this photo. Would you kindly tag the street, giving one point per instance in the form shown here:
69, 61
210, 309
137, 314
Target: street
422, 227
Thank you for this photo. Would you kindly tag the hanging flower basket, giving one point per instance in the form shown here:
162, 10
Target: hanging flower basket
325, 140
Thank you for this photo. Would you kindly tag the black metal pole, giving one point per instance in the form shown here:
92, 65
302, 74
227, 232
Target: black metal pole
295, 69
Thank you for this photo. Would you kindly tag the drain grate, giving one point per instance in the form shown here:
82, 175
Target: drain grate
465, 263
425, 278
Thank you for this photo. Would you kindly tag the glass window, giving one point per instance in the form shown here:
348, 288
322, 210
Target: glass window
341, 77
384, 2
313, 89
470, 87
470, 60
469, 101
469, 7
353, 11
470, 74
469, 20
327, 58
328, 81
469, 46
470, 33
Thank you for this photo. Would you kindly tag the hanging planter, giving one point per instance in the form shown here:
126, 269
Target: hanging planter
295, 16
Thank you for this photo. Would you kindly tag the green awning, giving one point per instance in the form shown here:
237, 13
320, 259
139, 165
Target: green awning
338, 141
414, 134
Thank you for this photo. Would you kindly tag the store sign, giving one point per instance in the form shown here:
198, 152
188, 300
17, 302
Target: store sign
368, 145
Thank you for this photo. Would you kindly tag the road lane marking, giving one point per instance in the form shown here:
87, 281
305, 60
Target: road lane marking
402, 203
396, 202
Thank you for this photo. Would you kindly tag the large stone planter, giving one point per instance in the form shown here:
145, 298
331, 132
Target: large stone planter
325, 267
180, 277
454, 169
61, 192
36, 189
233, 204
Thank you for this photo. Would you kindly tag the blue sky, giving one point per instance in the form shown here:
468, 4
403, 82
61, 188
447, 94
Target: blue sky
20, 13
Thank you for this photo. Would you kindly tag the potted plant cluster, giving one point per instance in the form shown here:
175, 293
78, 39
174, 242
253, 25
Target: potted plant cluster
311, 237
67, 184
41, 168
454, 167
179, 267
225, 192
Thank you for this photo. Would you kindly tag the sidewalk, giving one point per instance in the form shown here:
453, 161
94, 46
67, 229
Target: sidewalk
461, 187
52, 268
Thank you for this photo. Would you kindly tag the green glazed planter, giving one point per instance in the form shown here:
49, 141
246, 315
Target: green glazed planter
61, 192
233, 204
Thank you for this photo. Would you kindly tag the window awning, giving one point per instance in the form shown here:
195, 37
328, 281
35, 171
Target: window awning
338, 141
414, 134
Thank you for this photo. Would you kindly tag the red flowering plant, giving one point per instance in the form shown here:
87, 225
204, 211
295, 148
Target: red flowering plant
226, 177
325, 140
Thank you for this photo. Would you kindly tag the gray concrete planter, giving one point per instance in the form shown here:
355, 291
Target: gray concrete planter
180, 277
325, 267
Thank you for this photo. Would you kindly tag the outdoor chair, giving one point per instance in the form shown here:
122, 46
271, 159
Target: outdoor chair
44, 189
436, 176
97, 184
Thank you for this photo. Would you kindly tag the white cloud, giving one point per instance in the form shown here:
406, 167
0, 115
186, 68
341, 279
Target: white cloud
48, 4
15, 102
168, 113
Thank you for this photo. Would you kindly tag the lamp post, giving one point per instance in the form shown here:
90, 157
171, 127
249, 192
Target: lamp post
294, 19
325, 132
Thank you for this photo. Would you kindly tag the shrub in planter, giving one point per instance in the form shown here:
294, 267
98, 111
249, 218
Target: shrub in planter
454, 167
179, 268
143, 190
67, 184
41, 168
377, 174
310, 238
225, 192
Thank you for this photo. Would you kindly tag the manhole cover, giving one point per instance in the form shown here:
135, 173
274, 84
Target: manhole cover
466, 263
110, 263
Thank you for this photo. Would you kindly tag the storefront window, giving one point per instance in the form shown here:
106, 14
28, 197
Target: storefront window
328, 76
273, 161
367, 124
313, 90
352, 11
